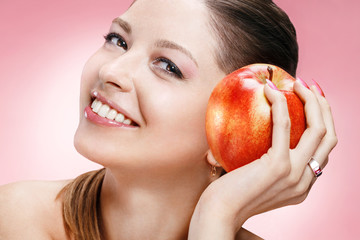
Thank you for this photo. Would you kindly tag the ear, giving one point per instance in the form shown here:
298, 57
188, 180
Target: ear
211, 160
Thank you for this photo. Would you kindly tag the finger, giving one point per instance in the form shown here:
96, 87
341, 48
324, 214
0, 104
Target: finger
305, 184
281, 122
326, 112
298, 192
316, 129
309, 178
290, 195
330, 140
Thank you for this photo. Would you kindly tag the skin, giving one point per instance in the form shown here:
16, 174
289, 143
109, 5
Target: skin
285, 179
168, 146
170, 111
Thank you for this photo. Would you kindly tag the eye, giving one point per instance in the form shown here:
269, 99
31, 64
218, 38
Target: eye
168, 67
116, 40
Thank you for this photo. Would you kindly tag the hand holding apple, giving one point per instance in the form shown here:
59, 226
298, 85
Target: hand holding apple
281, 176
238, 118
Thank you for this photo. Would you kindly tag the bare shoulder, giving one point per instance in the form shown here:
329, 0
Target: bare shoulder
30, 210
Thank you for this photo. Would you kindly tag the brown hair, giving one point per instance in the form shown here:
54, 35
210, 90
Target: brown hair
253, 31
248, 31
81, 209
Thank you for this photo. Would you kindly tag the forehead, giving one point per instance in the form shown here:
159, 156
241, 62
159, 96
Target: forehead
185, 22
185, 11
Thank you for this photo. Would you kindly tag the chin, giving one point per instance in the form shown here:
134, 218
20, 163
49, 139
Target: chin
86, 147
93, 145
100, 146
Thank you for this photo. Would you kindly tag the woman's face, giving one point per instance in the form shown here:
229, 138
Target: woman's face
157, 69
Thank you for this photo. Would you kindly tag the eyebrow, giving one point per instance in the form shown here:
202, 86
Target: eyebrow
124, 24
175, 46
160, 43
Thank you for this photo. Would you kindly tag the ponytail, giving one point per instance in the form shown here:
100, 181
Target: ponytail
81, 206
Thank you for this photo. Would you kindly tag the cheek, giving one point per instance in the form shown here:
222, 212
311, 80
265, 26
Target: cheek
177, 121
90, 73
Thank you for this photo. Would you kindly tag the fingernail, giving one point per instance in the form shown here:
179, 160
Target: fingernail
302, 82
318, 87
271, 84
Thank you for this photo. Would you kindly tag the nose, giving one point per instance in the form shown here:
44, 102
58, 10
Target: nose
118, 73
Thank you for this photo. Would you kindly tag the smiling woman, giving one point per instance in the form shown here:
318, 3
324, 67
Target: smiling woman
143, 100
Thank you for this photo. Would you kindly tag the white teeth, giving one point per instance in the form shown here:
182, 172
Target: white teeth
97, 106
120, 118
104, 110
112, 114
94, 103
127, 121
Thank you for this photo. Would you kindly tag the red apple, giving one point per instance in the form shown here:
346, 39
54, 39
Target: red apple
238, 117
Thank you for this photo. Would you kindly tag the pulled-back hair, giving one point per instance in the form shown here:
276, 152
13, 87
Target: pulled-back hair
253, 31
81, 206
248, 31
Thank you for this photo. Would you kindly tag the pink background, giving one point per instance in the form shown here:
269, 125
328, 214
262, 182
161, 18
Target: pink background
44, 45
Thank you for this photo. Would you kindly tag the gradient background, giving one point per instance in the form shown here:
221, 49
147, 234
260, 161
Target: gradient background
44, 45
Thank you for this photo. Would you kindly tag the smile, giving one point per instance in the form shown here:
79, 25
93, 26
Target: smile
101, 113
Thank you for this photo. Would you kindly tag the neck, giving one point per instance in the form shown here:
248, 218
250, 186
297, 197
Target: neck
143, 206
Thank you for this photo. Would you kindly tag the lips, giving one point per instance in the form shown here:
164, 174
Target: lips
102, 112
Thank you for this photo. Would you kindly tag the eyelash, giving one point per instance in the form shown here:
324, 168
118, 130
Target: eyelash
171, 68
120, 43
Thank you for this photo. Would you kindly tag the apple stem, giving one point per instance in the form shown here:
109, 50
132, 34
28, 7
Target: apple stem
270, 70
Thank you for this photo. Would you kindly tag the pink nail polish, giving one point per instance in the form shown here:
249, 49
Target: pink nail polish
318, 87
271, 84
302, 82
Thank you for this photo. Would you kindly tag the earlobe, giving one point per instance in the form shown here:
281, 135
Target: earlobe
211, 160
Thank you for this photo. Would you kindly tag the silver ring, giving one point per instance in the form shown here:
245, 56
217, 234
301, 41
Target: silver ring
315, 167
